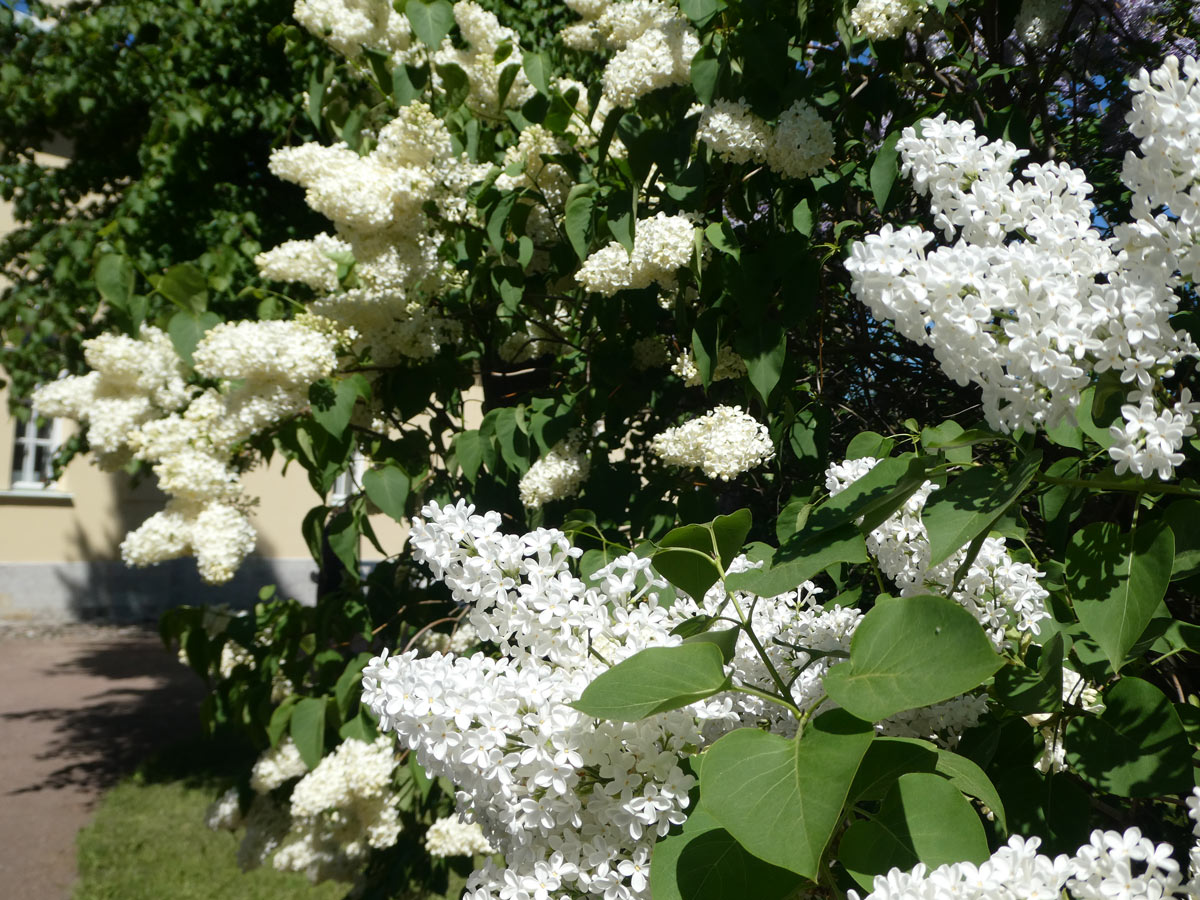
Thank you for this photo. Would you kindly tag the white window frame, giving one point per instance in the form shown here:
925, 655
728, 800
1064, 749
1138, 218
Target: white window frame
26, 435
348, 482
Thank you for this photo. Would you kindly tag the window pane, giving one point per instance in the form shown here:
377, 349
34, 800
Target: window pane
18, 461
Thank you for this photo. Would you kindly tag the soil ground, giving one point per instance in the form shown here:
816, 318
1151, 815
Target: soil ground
80, 708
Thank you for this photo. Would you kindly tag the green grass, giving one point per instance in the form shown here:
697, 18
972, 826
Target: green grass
148, 840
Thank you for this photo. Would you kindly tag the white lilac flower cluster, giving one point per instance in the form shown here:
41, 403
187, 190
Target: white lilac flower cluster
336, 813
1111, 864
879, 20
131, 382
350, 26
728, 365
557, 474
450, 836
483, 61
662, 244
571, 804
136, 404
1075, 690
1030, 302
799, 144
1038, 21
723, 443
378, 204
998, 591
653, 41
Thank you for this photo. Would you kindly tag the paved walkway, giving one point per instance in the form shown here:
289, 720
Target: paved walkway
78, 711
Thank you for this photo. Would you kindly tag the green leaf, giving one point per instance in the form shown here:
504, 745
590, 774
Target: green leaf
1033, 691
114, 276
655, 680
1136, 747
782, 799
185, 286
577, 219
884, 170
361, 728
874, 497
705, 71
764, 349
537, 70
924, 818
802, 218
970, 504
455, 82
817, 553
887, 759
1182, 517
186, 329
280, 719
972, 781
705, 862
388, 489
1117, 582
911, 652
721, 236
349, 683
724, 639
701, 11
869, 443
690, 571
307, 728
469, 453
333, 401
431, 21
343, 536
730, 533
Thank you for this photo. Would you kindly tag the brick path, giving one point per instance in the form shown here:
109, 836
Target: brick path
78, 711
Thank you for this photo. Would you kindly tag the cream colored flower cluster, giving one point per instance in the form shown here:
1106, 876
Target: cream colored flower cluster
654, 45
132, 382
336, 815
882, 19
350, 26
800, 143
311, 262
377, 203
555, 475
728, 365
491, 49
263, 371
723, 443
661, 245
450, 836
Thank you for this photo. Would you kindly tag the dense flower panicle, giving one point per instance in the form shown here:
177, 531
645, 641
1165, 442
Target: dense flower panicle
728, 365
998, 591
883, 19
662, 245
650, 353
309, 262
1111, 864
450, 836
132, 381
800, 144
336, 814
555, 475
723, 443
277, 766
1038, 21
1031, 302
484, 36
350, 26
566, 801
265, 353
654, 45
